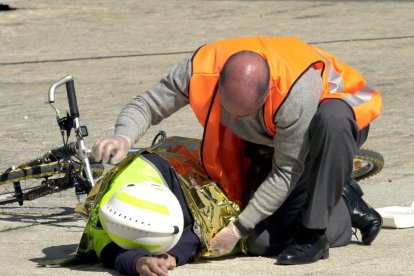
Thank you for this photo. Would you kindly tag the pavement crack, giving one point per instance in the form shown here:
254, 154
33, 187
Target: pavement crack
185, 52
18, 227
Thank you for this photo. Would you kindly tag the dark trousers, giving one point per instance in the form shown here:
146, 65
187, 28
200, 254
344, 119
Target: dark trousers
316, 201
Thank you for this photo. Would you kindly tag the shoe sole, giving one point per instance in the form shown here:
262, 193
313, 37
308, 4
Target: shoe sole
325, 255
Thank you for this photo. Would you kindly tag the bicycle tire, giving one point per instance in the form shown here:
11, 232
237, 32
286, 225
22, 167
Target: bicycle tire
29, 172
367, 163
32, 179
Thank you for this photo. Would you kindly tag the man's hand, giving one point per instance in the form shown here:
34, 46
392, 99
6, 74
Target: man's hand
111, 149
151, 266
225, 240
170, 260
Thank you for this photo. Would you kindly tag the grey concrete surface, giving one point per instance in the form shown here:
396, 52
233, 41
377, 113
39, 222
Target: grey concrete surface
117, 49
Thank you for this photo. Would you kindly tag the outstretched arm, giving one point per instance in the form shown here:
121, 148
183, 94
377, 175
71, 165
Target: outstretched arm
291, 145
166, 97
161, 101
141, 261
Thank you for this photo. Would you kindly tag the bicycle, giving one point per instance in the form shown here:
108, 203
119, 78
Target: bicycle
60, 168
367, 163
70, 166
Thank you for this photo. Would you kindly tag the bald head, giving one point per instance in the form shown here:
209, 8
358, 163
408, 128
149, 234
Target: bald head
244, 83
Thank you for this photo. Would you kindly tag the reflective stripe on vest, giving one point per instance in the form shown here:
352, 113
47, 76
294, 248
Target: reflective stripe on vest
365, 101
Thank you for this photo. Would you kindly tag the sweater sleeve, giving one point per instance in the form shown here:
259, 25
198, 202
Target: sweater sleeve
122, 260
187, 246
291, 145
162, 100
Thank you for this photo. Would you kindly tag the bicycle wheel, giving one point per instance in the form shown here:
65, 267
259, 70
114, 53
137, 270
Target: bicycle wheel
31, 182
29, 172
17, 183
367, 163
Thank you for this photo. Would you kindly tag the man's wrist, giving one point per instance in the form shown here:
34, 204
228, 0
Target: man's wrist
244, 231
129, 141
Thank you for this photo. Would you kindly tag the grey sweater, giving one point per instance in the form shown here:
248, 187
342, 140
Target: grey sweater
291, 142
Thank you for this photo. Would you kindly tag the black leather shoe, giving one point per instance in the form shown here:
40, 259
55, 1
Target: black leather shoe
308, 247
363, 216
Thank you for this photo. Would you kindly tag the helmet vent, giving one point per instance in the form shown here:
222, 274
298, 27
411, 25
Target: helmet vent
144, 213
126, 218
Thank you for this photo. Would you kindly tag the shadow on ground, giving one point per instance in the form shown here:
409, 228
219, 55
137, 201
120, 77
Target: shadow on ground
64, 256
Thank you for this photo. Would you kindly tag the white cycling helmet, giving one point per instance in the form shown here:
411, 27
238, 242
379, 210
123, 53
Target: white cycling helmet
143, 215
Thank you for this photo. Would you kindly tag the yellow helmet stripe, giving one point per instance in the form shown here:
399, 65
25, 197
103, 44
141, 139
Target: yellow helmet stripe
141, 203
132, 244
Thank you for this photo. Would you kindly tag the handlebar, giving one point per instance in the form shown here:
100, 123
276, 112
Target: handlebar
55, 85
70, 90
81, 150
73, 104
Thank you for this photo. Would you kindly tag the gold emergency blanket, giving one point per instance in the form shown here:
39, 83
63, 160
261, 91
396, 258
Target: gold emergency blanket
210, 207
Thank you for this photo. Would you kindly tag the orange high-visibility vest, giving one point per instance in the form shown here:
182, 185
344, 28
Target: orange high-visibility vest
288, 58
